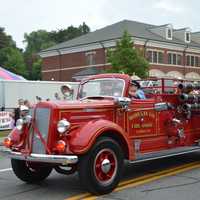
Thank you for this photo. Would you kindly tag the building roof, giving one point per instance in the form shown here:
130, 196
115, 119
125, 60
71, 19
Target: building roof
115, 31
87, 72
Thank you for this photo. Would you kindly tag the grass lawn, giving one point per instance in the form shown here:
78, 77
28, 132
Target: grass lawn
4, 133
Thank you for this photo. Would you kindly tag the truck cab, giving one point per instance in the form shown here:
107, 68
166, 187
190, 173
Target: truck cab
95, 133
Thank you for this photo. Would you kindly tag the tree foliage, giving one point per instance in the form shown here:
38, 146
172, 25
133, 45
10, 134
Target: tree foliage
69, 33
127, 59
41, 39
6, 40
27, 62
11, 58
35, 42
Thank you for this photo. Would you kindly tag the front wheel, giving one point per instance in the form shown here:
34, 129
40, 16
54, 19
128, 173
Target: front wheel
30, 172
100, 169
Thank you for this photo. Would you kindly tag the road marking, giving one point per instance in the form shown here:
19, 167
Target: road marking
79, 196
157, 176
142, 180
5, 170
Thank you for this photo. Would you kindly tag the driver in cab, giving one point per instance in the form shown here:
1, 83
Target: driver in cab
111, 88
135, 91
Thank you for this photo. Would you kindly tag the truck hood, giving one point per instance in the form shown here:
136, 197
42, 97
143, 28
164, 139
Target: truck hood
87, 103
81, 112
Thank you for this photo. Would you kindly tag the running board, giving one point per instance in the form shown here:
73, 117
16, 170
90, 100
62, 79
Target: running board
164, 154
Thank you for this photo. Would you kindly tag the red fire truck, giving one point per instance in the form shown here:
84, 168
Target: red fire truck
103, 127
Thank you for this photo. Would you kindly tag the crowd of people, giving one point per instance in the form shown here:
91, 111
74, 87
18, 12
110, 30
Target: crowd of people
24, 105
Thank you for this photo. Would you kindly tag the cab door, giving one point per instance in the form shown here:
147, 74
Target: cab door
142, 125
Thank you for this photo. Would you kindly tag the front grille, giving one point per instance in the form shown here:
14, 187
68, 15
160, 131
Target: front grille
42, 119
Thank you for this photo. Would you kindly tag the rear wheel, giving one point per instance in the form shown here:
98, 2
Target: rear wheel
30, 172
101, 168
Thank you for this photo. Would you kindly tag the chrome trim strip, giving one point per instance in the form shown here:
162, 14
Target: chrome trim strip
154, 157
45, 158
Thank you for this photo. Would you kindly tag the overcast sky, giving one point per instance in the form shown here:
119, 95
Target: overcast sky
20, 16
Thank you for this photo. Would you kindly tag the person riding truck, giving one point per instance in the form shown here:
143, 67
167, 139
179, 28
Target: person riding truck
135, 92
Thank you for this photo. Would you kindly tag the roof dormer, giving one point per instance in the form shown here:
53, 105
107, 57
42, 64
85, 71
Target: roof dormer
183, 34
188, 36
196, 37
165, 31
169, 32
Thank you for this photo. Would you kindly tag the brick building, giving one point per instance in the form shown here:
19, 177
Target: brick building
171, 52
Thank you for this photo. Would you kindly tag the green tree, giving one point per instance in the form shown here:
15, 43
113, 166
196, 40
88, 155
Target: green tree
6, 40
84, 28
36, 72
41, 39
71, 32
12, 60
127, 59
35, 42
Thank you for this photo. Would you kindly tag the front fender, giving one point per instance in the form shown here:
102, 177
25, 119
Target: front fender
82, 139
14, 135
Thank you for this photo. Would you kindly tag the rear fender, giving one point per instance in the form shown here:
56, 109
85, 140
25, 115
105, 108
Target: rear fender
82, 139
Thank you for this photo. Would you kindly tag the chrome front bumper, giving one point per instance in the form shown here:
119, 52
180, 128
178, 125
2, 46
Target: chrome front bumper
45, 158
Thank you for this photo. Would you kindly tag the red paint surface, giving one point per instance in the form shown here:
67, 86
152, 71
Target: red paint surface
90, 119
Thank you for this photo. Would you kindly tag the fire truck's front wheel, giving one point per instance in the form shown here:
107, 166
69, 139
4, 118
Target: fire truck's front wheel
30, 172
101, 168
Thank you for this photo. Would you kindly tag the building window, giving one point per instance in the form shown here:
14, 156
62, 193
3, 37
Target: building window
90, 58
179, 60
160, 57
187, 36
192, 61
169, 33
155, 56
174, 59
169, 58
149, 56
188, 60
197, 61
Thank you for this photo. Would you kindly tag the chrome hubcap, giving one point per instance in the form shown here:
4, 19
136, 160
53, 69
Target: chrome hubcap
105, 166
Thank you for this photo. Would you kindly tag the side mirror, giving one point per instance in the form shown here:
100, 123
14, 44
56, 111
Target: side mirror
123, 102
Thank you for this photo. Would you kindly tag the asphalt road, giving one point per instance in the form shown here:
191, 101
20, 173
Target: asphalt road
184, 186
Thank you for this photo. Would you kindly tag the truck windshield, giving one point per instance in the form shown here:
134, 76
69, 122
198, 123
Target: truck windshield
113, 87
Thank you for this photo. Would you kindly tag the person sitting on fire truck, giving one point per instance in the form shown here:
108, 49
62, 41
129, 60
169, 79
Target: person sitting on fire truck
67, 92
135, 92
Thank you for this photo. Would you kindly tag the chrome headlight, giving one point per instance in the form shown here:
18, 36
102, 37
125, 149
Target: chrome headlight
63, 125
19, 124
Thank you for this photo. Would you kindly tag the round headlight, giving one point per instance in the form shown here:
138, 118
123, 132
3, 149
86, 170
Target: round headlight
19, 124
63, 125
